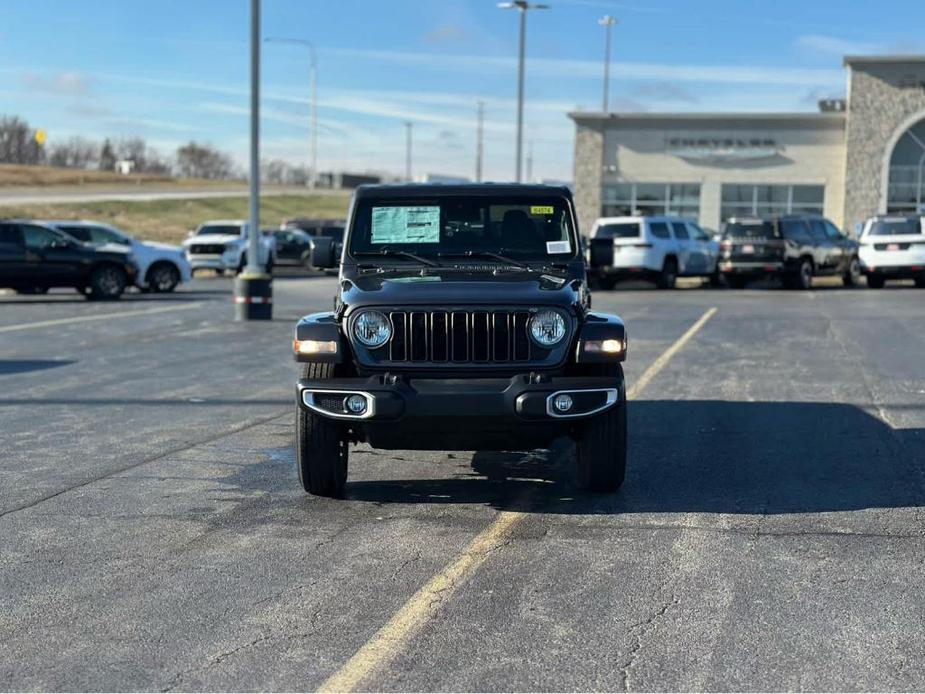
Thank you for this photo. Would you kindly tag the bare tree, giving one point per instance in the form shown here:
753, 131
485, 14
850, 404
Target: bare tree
17, 142
107, 157
75, 153
202, 161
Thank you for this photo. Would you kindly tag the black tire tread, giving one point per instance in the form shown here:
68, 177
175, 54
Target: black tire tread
321, 450
600, 449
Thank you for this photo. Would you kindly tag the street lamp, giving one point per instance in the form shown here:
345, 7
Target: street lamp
523, 6
313, 78
607, 22
408, 126
253, 289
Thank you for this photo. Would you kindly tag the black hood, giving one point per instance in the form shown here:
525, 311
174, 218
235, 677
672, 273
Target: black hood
456, 287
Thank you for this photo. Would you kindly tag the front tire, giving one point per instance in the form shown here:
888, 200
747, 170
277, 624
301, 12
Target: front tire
107, 282
600, 448
804, 277
163, 278
321, 448
668, 277
852, 275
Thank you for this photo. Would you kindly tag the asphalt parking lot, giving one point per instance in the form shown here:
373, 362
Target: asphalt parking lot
769, 536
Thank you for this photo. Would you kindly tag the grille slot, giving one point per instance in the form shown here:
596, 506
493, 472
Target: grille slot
207, 248
460, 337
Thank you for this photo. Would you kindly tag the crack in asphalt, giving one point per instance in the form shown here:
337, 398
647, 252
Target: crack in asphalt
145, 461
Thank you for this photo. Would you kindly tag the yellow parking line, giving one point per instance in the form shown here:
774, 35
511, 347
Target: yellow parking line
666, 356
101, 316
426, 602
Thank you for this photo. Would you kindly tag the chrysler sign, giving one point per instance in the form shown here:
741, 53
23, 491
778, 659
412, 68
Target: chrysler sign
721, 149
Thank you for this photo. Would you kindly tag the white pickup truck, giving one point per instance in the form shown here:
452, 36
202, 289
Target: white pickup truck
222, 245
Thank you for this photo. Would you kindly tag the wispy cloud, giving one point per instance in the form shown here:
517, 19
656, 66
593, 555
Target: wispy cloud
448, 33
587, 69
69, 84
664, 92
837, 46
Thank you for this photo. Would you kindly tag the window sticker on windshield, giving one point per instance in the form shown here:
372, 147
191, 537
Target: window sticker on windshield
417, 224
542, 209
558, 247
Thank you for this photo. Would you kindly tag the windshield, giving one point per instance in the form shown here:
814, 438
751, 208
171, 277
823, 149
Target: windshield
526, 229
895, 226
219, 230
751, 230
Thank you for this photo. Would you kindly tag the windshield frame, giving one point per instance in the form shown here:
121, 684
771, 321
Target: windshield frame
364, 205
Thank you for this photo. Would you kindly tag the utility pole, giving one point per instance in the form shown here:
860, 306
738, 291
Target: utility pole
313, 81
530, 162
523, 7
408, 126
479, 141
253, 290
607, 22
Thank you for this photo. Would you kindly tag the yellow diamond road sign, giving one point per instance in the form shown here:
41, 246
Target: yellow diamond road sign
41, 136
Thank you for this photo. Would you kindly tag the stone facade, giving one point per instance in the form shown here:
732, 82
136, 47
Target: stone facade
589, 156
886, 96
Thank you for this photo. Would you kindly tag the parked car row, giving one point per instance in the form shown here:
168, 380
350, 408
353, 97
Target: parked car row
791, 248
97, 260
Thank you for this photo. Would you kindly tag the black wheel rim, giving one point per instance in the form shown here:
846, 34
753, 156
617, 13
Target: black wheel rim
109, 282
163, 279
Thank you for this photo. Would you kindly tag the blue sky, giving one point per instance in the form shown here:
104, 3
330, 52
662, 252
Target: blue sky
176, 70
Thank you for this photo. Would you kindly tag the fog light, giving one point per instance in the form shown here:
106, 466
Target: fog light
355, 404
562, 402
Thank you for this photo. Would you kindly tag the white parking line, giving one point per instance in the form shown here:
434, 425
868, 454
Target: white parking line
101, 316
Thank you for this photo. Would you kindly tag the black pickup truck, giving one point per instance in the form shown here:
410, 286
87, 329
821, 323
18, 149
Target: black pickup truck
462, 321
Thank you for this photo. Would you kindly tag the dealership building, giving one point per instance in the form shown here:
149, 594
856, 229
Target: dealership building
854, 158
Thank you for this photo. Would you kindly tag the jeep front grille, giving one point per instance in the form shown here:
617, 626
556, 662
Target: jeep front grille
207, 248
480, 337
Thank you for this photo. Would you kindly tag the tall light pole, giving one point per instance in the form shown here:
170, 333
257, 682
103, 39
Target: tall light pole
253, 290
479, 141
313, 79
607, 22
408, 126
522, 6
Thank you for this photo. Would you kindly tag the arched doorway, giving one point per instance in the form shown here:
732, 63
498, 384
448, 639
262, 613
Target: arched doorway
906, 188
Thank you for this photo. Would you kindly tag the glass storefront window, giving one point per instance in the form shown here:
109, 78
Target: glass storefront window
625, 199
769, 200
906, 189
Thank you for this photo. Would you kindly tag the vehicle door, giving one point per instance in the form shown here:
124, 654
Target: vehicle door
707, 246
51, 257
664, 243
693, 261
847, 248
826, 254
12, 255
286, 246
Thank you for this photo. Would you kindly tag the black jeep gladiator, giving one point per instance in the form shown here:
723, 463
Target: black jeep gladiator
462, 321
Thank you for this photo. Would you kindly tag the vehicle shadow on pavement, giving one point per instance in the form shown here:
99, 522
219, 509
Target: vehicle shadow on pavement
704, 456
21, 366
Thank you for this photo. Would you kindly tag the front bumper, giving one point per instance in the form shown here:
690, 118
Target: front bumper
415, 413
213, 262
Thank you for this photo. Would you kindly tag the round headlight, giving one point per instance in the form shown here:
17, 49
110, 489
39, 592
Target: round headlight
547, 328
372, 328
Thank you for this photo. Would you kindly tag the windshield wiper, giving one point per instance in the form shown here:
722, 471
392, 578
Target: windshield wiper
486, 254
391, 252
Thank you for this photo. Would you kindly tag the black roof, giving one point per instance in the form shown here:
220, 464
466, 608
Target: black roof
430, 190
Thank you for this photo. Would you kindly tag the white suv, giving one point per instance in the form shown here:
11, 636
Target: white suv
655, 248
222, 245
893, 248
